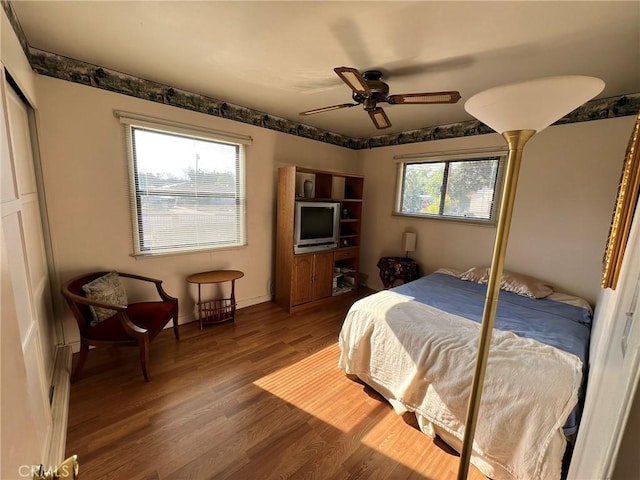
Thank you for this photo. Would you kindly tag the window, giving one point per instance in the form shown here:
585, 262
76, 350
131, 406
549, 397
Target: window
456, 186
187, 187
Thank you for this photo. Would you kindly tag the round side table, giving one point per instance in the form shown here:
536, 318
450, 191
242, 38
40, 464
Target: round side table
221, 309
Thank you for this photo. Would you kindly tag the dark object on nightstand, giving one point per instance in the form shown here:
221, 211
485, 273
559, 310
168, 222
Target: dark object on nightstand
397, 268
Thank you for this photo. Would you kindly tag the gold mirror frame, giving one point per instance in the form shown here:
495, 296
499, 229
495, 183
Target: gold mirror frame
624, 210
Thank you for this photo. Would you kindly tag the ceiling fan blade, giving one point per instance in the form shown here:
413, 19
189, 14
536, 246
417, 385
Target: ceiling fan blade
328, 109
379, 118
432, 97
354, 79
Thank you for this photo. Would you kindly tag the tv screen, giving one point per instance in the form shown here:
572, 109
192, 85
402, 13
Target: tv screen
316, 222
316, 226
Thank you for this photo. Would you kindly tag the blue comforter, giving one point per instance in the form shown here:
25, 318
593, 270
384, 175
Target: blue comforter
559, 325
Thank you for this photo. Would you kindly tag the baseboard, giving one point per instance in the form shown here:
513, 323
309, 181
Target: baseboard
61, 385
249, 302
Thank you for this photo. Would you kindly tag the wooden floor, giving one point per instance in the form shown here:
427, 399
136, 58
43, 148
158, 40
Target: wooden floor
259, 399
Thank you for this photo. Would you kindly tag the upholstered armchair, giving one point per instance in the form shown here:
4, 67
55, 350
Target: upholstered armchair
99, 304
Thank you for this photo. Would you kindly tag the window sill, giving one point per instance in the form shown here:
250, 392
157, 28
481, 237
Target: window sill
470, 220
145, 256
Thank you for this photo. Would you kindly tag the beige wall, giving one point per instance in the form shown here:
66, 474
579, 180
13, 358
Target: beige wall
566, 194
85, 172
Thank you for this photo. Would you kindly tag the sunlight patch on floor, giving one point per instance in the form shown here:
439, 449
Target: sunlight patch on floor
318, 387
310, 385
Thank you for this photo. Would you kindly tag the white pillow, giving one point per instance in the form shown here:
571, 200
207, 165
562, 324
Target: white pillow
454, 272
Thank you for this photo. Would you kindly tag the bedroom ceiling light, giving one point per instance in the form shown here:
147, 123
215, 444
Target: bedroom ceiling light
517, 111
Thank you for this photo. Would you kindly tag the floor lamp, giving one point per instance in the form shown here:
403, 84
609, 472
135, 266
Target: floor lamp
517, 111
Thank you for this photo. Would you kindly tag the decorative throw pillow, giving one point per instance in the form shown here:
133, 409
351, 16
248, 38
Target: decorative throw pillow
525, 285
107, 289
454, 272
476, 274
511, 282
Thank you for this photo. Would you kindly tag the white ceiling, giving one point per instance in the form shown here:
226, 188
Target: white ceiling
278, 57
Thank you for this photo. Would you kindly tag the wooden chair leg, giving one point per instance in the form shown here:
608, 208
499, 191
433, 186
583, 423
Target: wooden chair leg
144, 358
176, 332
82, 358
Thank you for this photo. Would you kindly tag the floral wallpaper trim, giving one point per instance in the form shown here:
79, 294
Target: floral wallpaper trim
72, 70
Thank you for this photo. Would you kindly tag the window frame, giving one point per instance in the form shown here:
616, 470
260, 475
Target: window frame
134, 121
448, 158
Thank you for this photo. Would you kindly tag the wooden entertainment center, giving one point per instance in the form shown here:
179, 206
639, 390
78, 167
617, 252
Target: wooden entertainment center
305, 279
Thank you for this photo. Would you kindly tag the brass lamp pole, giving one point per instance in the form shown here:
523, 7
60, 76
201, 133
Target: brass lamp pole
517, 111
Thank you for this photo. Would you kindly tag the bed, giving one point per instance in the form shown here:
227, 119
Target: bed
416, 345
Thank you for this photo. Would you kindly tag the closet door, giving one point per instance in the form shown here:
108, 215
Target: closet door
27, 332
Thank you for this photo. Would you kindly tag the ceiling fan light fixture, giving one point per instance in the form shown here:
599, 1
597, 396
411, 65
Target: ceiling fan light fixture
379, 118
369, 104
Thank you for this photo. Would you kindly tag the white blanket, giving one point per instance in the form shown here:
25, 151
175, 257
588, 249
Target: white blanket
422, 360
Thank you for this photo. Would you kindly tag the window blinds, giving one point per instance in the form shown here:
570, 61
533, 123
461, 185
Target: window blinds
187, 190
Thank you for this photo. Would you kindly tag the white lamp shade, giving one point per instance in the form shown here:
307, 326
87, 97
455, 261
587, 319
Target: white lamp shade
534, 104
409, 241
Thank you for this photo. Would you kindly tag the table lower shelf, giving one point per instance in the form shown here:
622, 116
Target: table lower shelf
217, 311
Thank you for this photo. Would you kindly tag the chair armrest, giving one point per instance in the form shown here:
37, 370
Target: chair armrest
130, 327
121, 310
93, 303
164, 295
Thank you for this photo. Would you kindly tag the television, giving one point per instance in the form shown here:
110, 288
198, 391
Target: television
316, 226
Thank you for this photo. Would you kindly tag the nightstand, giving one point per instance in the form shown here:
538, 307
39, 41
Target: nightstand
397, 268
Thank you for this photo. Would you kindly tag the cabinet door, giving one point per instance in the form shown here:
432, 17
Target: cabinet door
323, 275
302, 279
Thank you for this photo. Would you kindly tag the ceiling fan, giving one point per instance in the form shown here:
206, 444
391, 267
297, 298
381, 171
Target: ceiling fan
369, 90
